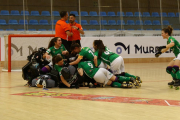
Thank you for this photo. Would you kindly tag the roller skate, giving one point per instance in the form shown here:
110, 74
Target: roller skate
135, 82
139, 79
127, 84
176, 84
171, 84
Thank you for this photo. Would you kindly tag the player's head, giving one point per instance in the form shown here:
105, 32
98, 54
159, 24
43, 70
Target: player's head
55, 42
58, 60
75, 47
166, 32
99, 45
72, 18
64, 15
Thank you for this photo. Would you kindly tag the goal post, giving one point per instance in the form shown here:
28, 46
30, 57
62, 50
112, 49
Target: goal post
19, 42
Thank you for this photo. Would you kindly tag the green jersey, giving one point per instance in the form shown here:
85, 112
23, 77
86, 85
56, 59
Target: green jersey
176, 47
88, 68
56, 51
58, 68
107, 56
86, 52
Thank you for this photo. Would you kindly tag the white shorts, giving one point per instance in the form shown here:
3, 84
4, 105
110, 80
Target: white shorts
178, 57
50, 65
102, 65
102, 76
117, 66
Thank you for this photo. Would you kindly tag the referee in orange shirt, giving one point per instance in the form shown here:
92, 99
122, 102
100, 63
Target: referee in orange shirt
62, 29
76, 29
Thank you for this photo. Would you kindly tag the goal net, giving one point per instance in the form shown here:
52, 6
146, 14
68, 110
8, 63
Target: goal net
18, 47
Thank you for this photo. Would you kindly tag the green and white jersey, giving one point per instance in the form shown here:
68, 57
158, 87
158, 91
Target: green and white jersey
88, 68
176, 47
107, 56
86, 52
58, 68
56, 51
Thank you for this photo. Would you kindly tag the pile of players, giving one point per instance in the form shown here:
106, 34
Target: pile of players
80, 67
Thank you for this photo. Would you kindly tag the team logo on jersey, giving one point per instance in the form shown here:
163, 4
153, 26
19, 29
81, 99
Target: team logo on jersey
53, 51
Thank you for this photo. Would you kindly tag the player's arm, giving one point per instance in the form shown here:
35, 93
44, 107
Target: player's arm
75, 62
65, 82
65, 52
167, 47
95, 58
95, 61
46, 56
80, 71
163, 49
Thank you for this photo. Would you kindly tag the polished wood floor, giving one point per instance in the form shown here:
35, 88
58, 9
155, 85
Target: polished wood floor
154, 86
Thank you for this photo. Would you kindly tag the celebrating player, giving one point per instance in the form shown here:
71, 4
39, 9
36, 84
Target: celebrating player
55, 47
115, 61
85, 53
103, 76
173, 44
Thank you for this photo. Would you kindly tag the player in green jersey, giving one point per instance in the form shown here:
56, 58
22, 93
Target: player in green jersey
55, 47
85, 53
115, 61
103, 76
173, 66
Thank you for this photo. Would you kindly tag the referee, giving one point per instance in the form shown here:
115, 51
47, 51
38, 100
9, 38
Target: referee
62, 29
76, 29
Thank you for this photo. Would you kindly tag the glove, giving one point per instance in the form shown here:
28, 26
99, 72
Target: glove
66, 65
160, 48
74, 86
158, 54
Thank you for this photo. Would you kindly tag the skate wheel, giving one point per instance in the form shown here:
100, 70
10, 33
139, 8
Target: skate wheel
171, 86
177, 88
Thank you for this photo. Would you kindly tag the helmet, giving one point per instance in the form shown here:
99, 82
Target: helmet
42, 50
66, 73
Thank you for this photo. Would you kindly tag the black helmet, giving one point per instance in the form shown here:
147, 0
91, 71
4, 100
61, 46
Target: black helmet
42, 50
66, 73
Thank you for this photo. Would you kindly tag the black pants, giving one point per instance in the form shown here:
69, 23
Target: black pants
66, 44
77, 41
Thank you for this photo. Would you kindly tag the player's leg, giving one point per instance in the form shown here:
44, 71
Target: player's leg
169, 71
47, 68
114, 80
116, 66
130, 75
175, 70
100, 77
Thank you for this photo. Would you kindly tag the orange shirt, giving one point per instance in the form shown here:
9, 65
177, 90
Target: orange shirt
61, 28
76, 33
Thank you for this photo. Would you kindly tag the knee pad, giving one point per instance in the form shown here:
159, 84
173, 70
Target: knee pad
175, 69
169, 69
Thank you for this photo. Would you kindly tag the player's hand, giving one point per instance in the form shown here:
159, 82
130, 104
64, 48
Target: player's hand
160, 48
74, 86
158, 54
48, 57
75, 27
64, 52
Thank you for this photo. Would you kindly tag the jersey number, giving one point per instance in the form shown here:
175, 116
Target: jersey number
91, 52
90, 65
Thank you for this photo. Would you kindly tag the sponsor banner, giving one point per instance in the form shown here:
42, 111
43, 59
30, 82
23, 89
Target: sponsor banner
127, 47
132, 47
